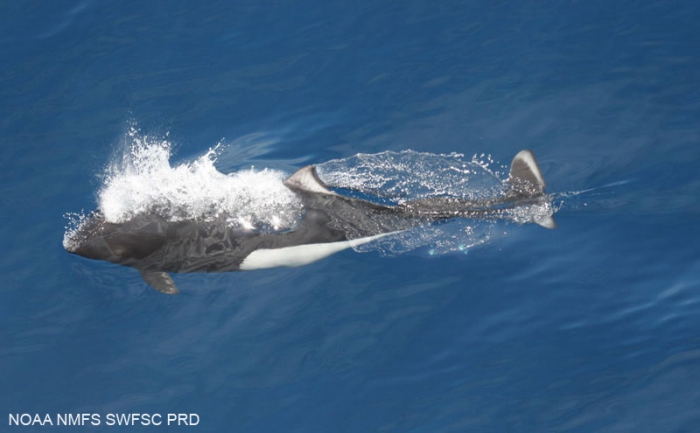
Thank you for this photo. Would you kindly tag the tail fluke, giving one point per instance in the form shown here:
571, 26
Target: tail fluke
526, 180
547, 222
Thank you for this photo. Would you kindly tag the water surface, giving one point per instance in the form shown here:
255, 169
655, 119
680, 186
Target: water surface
592, 327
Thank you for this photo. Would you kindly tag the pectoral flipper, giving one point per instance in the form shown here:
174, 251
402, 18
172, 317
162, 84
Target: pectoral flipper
160, 281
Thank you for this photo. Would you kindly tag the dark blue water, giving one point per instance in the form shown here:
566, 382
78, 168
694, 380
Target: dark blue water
592, 327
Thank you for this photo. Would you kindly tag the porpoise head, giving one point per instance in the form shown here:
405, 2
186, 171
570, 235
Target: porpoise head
121, 243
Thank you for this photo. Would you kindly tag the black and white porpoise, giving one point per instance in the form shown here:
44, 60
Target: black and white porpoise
331, 223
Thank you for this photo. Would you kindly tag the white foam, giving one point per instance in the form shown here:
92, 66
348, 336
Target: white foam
531, 212
410, 175
71, 238
141, 179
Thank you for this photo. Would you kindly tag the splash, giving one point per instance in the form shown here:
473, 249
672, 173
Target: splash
141, 179
72, 237
410, 175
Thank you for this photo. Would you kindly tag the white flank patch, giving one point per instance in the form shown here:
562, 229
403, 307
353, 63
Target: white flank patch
299, 255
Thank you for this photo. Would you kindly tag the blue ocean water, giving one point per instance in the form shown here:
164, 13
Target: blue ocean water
592, 327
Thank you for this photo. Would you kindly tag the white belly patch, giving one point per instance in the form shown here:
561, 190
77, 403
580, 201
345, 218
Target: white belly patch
299, 255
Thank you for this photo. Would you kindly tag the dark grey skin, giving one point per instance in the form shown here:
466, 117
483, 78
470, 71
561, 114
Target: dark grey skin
156, 246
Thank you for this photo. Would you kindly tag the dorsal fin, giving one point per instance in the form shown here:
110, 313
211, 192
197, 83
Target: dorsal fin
525, 175
306, 179
160, 281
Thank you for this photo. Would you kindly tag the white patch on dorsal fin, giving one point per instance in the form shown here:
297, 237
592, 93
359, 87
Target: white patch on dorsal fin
305, 179
525, 174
